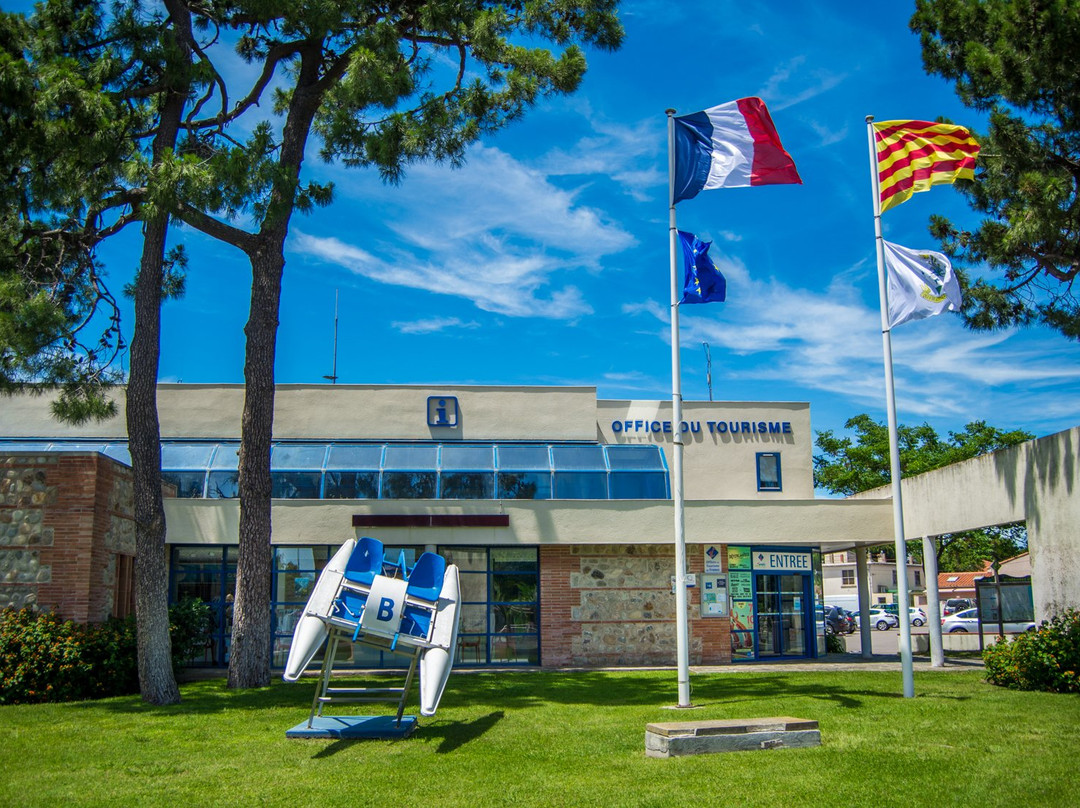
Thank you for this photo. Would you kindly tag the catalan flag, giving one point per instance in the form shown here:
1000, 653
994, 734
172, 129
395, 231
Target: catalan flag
914, 155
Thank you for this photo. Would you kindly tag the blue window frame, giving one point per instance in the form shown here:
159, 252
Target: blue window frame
206, 573
768, 471
407, 470
500, 604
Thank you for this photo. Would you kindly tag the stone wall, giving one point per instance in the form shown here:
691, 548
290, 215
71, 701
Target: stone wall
612, 605
65, 520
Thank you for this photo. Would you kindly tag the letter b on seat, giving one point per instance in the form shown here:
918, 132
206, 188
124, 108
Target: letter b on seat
386, 610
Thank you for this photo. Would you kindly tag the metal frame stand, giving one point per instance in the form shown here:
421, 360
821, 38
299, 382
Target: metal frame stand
325, 694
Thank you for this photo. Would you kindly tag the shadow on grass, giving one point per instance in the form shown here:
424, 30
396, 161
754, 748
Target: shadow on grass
500, 691
454, 734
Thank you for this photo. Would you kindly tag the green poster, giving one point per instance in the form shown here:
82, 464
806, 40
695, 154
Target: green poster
740, 586
738, 558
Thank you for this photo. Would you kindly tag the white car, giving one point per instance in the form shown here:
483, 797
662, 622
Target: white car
881, 620
968, 620
917, 616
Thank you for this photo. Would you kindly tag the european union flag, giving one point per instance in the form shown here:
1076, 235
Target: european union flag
703, 281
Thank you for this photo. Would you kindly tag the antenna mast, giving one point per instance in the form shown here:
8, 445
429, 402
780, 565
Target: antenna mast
708, 368
333, 377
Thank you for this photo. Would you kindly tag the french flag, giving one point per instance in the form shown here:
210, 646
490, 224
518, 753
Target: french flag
733, 145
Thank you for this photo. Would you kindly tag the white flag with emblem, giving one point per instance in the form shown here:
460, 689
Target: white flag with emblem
921, 284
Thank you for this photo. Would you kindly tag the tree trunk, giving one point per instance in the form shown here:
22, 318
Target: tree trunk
156, 681
249, 660
157, 684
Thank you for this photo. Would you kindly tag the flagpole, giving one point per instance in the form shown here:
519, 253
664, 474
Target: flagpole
682, 633
894, 448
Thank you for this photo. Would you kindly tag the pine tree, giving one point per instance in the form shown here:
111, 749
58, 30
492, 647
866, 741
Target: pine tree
1014, 59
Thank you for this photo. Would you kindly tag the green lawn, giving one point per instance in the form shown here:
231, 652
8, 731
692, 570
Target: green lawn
557, 739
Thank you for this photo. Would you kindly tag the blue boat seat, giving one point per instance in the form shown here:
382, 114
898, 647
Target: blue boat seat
425, 583
363, 565
365, 562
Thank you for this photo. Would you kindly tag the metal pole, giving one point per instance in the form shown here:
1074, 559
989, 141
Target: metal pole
333, 377
708, 368
682, 629
894, 449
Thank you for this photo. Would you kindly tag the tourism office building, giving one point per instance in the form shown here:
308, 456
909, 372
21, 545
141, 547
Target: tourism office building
555, 505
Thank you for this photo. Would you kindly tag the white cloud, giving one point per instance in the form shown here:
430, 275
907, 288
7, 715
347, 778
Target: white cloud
503, 284
829, 136
809, 84
630, 154
495, 232
432, 325
830, 341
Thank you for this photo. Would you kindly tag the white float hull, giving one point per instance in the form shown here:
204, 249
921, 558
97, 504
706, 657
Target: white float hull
436, 662
311, 630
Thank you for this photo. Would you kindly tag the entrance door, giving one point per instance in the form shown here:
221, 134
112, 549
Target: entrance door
781, 615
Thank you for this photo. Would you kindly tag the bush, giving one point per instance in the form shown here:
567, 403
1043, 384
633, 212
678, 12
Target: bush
44, 658
834, 644
1045, 659
191, 625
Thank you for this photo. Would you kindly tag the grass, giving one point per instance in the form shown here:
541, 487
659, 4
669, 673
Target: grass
557, 739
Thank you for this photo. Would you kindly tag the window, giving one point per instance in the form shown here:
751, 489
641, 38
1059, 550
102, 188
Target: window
637, 472
581, 472
499, 604
847, 577
467, 485
768, 471
206, 573
419, 469
525, 485
918, 578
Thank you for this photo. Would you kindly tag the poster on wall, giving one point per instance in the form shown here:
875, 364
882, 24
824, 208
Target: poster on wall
738, 558
742, 645
714, 596
713, 563
740, 585
742, 615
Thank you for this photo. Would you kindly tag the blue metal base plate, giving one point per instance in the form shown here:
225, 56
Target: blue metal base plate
354, 726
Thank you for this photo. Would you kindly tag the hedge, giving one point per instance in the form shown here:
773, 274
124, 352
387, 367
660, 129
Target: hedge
1045, 659
44, 658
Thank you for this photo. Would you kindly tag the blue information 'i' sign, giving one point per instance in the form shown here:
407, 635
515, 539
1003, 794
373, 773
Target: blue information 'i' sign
442, 411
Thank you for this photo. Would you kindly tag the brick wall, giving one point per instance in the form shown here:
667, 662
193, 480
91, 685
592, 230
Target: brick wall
65, 518
612, 605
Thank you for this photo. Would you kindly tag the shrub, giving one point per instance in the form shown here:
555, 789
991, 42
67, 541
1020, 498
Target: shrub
1045, 659
44, 658
834, 644
191, 625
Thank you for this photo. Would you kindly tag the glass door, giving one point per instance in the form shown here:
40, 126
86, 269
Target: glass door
781, 615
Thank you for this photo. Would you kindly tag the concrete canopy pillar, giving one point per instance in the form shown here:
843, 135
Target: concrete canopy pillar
933, 606
862, 579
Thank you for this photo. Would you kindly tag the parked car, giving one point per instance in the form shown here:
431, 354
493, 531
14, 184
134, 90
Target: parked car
835, 621
916, 615
968, 620
953, 605
852, 621
882, 620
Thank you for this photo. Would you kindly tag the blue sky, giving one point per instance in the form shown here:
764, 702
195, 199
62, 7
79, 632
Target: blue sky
544, 261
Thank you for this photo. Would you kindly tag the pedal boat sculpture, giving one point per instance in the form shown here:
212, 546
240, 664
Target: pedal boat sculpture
361, 597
